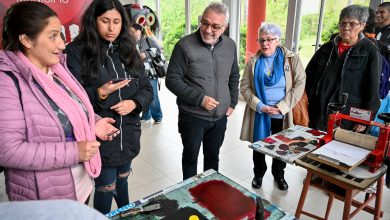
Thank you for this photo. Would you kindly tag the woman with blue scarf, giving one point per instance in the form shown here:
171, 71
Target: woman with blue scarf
270, 93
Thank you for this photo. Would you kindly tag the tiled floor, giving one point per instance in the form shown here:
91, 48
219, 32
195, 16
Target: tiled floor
159, 165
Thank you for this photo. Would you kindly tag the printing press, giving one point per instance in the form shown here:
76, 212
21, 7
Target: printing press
341, 184
378, 146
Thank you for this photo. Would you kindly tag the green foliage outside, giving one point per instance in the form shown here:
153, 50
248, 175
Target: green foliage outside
173, 23
276, 13
173, 20
243, 30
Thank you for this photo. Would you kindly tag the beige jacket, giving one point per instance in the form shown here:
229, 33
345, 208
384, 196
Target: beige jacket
293, 92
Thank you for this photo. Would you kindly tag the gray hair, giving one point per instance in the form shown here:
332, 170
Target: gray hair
219, 8
355, 11
269, 28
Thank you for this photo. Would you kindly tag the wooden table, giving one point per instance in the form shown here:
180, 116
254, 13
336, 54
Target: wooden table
340, 186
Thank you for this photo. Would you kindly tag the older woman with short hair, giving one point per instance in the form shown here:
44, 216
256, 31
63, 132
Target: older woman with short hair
348, 63
270, 91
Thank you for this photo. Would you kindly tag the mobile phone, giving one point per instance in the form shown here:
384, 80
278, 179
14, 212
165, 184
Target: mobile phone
112, 133
116, 80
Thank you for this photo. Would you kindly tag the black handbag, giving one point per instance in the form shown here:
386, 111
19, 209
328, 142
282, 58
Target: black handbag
158, 63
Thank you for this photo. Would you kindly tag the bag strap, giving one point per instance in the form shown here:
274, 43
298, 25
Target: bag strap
147, 41
13, 77
291, 69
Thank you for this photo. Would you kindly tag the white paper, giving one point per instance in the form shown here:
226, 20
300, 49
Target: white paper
344, 153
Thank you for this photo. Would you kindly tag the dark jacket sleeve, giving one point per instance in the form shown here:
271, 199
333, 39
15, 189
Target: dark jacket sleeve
372, 100
384, 48
175, 82
74, 60
143, 97
74, 63
234, 81
315, 69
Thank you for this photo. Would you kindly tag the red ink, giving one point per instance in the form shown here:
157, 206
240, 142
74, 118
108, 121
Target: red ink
315, 132
268, 140
223, 200
283, 138
266, 214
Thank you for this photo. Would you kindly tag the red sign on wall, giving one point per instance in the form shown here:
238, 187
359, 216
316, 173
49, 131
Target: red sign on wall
68, 11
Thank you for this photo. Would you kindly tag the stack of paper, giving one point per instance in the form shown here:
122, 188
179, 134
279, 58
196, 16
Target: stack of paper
342, 153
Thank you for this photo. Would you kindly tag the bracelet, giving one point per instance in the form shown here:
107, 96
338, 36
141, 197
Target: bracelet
101, 96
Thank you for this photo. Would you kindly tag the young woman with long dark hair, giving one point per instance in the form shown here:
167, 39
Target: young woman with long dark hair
105, 60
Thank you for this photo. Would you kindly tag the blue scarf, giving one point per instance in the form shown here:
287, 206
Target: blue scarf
262, 126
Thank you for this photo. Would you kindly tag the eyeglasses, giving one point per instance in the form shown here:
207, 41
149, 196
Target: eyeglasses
214, 27
351, 24
268, 40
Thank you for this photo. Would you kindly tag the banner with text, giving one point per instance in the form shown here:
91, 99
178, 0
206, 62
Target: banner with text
68, 11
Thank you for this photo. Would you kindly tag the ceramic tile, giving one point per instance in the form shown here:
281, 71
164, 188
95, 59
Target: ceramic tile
3, 195
239, 161
142, 173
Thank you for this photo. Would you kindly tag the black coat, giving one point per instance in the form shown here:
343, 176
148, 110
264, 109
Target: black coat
356, 72
125, 146
384, 41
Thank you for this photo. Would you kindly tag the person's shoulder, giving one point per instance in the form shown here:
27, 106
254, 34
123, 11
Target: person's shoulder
74, 49
3, 56
326, 47
189, 38
228, 39
187, 42
8, 61
286, 51
328, 44
369, 44
253, 59
386, 27
73, 46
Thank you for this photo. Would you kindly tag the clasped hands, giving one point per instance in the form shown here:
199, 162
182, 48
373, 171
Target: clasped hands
270, 110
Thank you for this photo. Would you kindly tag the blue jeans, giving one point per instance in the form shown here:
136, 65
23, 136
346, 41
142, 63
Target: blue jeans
111, 183
154, 110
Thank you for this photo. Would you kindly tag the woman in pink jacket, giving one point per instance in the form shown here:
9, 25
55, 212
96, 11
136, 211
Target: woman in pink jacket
47, 124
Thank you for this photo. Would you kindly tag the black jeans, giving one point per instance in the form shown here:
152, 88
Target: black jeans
193, 132
260, 166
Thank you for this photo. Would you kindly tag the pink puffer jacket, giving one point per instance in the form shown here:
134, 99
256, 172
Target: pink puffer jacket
32, 140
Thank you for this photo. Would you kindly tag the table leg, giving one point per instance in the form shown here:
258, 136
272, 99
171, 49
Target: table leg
378, 199
347, 204
329, 205
303, 194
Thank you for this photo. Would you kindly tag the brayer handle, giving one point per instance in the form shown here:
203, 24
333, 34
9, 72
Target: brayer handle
131, 212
